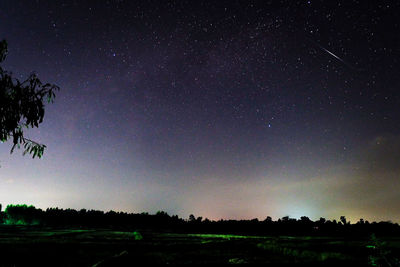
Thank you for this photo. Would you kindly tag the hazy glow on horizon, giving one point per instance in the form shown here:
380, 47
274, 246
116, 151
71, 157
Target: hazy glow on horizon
36, 183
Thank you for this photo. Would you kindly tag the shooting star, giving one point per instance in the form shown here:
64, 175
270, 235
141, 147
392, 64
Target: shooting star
332, 54
338, 58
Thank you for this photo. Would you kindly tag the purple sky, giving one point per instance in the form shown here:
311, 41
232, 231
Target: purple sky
223, 109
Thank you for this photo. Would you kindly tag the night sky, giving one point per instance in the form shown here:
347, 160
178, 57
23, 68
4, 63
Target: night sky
223, 109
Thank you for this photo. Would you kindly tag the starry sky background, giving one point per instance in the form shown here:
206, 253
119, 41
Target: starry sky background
223, 109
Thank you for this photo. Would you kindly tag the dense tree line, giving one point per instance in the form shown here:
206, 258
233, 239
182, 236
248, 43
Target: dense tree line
29, 215
55, 217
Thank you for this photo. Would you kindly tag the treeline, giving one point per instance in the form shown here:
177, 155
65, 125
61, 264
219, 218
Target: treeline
29, 215
162, 221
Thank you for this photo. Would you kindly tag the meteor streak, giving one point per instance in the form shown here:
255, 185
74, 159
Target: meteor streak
332, 54
335, 56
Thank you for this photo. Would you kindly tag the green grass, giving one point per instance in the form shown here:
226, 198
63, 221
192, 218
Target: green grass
226, 236
27, 246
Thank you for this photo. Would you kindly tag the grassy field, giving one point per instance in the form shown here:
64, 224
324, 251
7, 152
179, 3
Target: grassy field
24, 246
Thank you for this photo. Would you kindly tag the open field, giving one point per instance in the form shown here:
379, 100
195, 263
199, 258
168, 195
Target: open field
22, 246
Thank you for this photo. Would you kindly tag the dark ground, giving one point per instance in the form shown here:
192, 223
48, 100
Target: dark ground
34, 246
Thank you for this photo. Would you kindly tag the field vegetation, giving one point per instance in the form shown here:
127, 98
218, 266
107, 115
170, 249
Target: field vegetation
57, 237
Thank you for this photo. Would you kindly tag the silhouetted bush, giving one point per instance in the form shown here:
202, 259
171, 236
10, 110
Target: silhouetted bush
22, 215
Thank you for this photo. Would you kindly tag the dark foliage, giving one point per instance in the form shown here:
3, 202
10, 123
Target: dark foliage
22, 107
55, 217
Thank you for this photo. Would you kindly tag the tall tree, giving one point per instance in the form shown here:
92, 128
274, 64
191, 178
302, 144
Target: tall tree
22, 107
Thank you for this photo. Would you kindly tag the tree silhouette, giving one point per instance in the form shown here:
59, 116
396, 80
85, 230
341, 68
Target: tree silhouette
22, 107
192, 218
343, 220
268, 219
